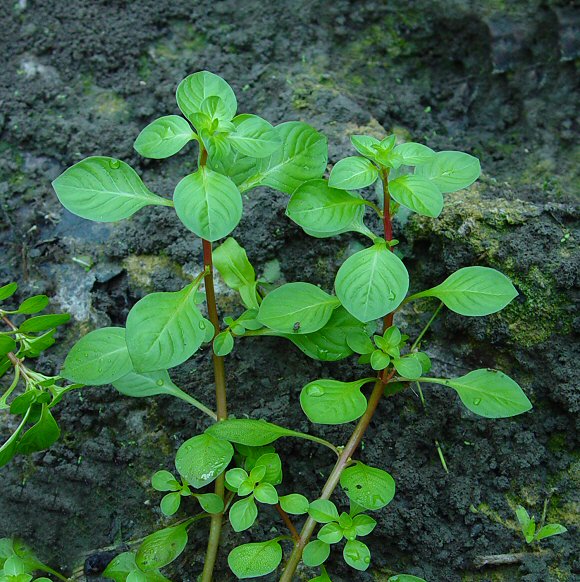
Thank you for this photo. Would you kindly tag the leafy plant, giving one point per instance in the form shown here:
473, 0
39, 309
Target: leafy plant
237, 153
534, 533
18, 563
30, 395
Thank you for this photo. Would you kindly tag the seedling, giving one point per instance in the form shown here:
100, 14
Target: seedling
235, 154
534, 533
18, 563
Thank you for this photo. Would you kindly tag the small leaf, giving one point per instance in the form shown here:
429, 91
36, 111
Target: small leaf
170, 503
252, 560
223, 343
7, 344
474, 291
364, 145
333, 402
363, 524
330, 533
417, 194
273, 465
297, 308
318, 207
250, 432
294, 503
243, 514
202, 458
33, 304
196, 88
210, 502
552, 529
357, 555
315, 553
488, 393
235, 477
412, 154
164, 329
161, 548
98, 358
164, 137
254, 136
367, 486
450, 171
41, 435
104, 190
409, 367
266, 493
353, 173
164, 481
372, 282
523, 517
209, 204
8, 290
323, 511
144, 384
379, 360
42, 322
324, 577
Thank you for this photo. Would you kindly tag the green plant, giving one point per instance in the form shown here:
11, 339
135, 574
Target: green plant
32, 395
534, 533
18, 563
163, 330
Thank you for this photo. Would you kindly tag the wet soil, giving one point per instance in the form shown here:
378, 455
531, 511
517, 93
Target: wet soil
497, 79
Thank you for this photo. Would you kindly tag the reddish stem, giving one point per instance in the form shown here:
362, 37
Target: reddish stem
286, 518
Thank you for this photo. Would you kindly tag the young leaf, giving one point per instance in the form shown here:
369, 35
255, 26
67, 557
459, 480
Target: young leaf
295, 504
380, 360
405, 578
253, 433
273, 465
417, 194
223, 343
252, 560
104, 190
7, 344
210, 502
552, 529
202, 458
297, 308
42, 322
356, 555
98, 358
450, 171
164, 481
323, 511
196, 88
412, 154
364, 145
333, 402
164, 329
372, 282
209, 204
33, 304
488, 393
141, 385
353, 173
474, 291
330, 533
170, 504
7, 291
41, 435
363, 524
409, 367
367, 486
243, 514
316, 553
162, 547
320, 208
254, 136
266, 493
163, 137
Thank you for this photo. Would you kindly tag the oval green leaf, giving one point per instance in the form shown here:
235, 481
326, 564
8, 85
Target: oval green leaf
161, 548
243, 514
353, 173
323, 511
254, 136
253, 433
42, 322
294, 503
417, 194
252, 560
356, 555
163, 137
412, 154
104, 190
196, 88
450, 171
41, 435
316, 553
372, 282
371, 488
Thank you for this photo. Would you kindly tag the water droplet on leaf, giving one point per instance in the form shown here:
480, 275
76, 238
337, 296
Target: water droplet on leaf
114, 164
159, 382
315, 390
477, 401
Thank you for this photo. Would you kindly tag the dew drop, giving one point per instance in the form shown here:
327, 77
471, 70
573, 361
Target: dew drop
86, 355
202, 325
367, 560
322, 353
159, 382
477, 401
315, 390
391, 295
114, 164
100, 370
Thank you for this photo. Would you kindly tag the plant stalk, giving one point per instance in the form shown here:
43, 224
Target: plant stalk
388, 229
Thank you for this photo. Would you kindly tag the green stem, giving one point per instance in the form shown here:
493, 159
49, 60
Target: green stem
11, 388
320, 441
191, 400
427, 326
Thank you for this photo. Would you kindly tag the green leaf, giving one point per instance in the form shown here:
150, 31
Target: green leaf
369, 487
162, 547
196, 88
254, 136
209, 204
527, 524
333, 402
409, 367
231, 261
297, 308
164, 329
164, 481
417, 194
243, 514
303, 156
170, 503
353, 173
41, 435
380, 360
318, 207
315, 553
252, 560
7, 344
450, 171
266, 493
202, 458
210, 502
104, 190
235, 477
412, 154
364, 145
33, 304
144, 384
98, 358
7, 291
254, 433
552, 529
223, 343
32, 347
488, 393
294, 504
356, 555
474, 291
120, 566
363, 524
372, 282
323, 511
164, 137
273, 464
330, 533
42, 322
405, 578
